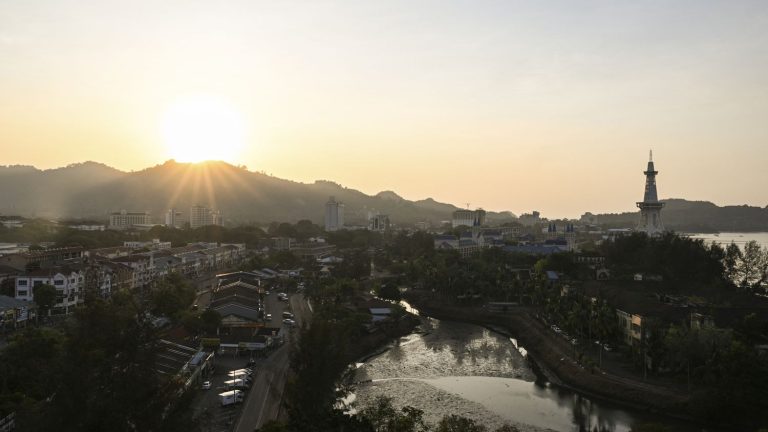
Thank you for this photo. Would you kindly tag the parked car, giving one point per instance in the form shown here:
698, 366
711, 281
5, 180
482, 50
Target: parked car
287, 315
289, 322
607, 347
206, 385
268, 317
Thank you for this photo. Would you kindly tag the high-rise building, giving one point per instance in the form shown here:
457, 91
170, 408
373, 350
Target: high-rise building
125, 219
200, 216
173, 218
650, 207
334, 215
470, 218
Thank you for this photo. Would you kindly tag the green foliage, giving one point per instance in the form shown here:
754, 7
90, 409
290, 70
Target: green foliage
454, 423
98, 374
671, 256
383, 417
389, 292
45, 297
171, 296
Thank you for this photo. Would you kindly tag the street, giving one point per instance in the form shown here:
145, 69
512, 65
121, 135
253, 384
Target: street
265, 399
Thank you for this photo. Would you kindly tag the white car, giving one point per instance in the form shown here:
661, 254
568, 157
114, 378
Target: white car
289, 322
206, 385
268, 317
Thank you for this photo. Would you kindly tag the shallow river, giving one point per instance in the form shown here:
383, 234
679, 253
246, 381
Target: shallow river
456, 368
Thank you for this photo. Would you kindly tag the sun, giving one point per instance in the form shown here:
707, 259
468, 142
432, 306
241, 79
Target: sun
202, 127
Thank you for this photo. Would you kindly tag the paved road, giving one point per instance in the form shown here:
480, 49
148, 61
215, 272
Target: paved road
265, 399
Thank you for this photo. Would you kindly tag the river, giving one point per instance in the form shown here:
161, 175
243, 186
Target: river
464, 369
740, 238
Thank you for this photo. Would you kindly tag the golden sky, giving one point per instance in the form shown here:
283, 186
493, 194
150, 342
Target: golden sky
508, 105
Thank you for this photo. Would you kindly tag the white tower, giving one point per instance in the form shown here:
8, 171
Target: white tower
650, 207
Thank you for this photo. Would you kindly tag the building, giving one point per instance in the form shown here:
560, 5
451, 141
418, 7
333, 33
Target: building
200, 216
650, 207
124, 219
470, 218
379, 222
173, 218
334, 215
68, 281
155, 244
44, 258
88, 227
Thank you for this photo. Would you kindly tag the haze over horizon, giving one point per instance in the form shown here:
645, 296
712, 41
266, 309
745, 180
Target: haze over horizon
505, 105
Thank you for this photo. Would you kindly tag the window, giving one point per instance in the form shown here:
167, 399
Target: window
21, 282
21, 293
38, 283
58, 282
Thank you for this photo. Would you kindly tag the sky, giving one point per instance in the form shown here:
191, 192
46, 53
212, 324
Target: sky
506, 105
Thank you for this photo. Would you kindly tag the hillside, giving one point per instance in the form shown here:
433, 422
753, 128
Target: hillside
92, 190
698, 216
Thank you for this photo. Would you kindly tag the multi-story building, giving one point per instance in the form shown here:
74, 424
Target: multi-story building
471, 218
378, 222
173, 218
69, 282
125, 219
43, 258
200, 216
142, 266
155, 244
334, 215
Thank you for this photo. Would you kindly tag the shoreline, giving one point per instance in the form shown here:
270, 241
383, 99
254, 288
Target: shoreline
552, 364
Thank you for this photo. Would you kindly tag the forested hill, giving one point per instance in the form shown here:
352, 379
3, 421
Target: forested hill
698, 216
92, 190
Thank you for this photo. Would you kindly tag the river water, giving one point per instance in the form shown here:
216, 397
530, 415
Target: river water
464, 369
725, 238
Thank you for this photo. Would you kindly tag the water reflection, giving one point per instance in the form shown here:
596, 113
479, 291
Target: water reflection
455, 368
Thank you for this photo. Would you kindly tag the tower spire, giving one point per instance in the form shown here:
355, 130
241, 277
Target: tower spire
650, 207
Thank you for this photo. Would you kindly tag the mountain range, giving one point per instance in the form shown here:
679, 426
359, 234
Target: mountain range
92, 190
697, 216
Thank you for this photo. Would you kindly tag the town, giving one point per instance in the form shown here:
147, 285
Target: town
192, 325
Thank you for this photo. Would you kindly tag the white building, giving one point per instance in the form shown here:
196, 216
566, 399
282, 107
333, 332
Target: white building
470, 218
155, 244
200, 216
124, 219
173, 218
379, 222
334, 215
69, 284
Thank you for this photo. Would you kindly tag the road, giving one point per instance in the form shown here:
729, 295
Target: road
265, 399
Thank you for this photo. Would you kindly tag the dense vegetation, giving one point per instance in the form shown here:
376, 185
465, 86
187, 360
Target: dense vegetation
94, 372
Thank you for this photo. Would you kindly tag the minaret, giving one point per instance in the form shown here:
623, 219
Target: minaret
650, 207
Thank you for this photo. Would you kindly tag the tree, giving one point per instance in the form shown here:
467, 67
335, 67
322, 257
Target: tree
45, 297
211, 320
454, 423
171, 296
733, 257
389, 291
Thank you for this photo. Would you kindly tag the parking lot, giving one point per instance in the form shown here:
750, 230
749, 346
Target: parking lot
214, 417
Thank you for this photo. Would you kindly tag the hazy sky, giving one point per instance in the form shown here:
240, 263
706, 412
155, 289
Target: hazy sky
508, 105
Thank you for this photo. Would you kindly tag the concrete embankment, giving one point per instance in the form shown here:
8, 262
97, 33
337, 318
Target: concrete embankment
554, 359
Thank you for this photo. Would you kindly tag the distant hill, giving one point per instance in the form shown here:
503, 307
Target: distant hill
93, 190
698, 216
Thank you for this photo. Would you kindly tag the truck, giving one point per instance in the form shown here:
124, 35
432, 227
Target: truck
236, 383
231, 397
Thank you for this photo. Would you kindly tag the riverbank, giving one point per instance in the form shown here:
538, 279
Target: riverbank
555, 359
